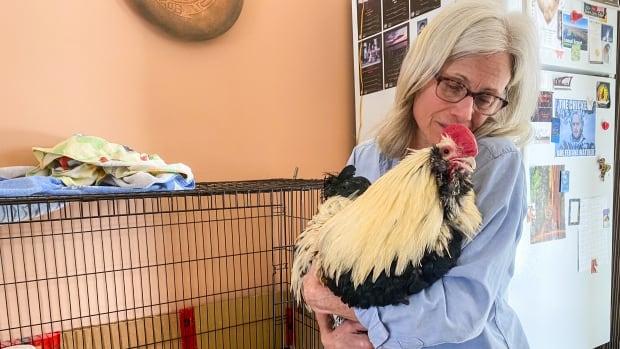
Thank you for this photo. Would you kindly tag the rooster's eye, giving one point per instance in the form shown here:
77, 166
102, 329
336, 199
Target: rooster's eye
446, 151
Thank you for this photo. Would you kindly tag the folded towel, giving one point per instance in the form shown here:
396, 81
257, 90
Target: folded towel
86, 165
88, 160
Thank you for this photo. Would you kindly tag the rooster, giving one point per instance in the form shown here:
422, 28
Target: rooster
376, 245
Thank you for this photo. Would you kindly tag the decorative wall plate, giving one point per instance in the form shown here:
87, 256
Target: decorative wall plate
191, 20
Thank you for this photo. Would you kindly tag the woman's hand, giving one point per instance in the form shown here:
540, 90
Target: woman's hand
350, 334
322, 300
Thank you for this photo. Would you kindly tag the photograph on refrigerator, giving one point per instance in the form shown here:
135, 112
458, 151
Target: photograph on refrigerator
546, 210
577, 123
574, 34
541, 120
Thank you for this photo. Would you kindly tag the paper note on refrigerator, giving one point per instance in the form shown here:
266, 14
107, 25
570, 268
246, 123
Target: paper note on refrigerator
593, 238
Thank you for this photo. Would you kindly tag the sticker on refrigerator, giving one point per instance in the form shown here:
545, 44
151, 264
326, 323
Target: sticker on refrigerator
576, 129
562, 82
603, 98
599, 12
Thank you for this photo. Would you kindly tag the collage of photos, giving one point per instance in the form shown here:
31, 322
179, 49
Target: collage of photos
385, 31
576, 34
570, 123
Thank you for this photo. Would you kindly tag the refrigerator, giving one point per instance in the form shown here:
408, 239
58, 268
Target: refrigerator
561, 288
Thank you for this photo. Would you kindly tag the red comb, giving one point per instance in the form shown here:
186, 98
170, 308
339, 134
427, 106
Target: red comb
462, 136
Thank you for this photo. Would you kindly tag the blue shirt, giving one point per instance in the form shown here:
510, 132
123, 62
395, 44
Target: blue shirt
466, 308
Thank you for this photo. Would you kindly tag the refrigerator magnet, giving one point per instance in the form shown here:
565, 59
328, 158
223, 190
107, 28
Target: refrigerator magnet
605, 125
564, 181
603, 98
603, 167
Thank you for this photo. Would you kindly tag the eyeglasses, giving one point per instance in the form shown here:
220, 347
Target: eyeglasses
453, 91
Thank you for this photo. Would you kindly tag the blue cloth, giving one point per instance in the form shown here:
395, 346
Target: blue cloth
466, 309
47, 185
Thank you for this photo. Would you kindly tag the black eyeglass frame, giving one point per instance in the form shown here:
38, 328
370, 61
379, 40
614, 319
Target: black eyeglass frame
473, 95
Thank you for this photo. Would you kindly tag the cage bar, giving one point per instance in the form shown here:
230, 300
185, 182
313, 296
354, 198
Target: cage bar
202, 268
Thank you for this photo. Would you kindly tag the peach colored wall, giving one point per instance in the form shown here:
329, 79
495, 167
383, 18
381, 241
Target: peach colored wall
272, 93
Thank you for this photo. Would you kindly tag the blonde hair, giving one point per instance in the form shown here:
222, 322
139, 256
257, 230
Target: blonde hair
468, 27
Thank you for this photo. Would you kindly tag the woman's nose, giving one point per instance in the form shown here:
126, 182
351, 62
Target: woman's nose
464, 109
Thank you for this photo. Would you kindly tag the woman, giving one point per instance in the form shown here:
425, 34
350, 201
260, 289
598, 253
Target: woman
475, 65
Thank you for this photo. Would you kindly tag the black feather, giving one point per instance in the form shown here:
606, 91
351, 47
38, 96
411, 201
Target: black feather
345, 183
396, 289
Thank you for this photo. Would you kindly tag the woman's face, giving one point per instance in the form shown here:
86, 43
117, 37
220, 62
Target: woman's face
488, 73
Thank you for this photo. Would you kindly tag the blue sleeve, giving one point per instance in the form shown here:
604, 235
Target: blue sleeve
458, 307
369, 162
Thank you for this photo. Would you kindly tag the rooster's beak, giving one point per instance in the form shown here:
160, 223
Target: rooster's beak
467, 164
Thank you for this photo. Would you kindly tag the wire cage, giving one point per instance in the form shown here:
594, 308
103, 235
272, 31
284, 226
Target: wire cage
202, 268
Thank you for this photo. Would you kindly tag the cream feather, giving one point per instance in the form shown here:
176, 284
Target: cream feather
307, 242
399, 217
